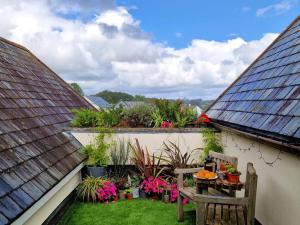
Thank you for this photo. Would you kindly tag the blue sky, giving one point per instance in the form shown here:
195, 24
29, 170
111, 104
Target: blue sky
158, 48
210, 19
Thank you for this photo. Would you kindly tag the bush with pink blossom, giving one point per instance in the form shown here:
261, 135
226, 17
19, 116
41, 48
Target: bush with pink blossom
107, 192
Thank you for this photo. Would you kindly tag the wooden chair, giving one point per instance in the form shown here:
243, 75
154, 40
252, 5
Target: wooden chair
228, 210
188, 192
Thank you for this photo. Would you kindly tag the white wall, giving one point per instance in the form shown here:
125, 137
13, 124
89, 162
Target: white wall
278, 191
153, 141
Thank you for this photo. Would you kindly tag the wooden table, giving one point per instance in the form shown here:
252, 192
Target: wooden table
202, 186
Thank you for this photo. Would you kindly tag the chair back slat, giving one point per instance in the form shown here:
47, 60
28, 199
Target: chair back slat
222, 158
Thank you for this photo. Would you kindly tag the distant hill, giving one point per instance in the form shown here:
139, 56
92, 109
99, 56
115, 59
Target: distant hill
114, 97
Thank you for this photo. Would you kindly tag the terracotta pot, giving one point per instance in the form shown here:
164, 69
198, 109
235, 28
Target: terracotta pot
233, 178
129, 196
222, 167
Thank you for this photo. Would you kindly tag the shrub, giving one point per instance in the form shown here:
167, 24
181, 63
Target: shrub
157, 118
109, 117
174, 157
168, 108
173, 111
139, 115
85, 118
107, 192
87, 190
97, 152
152, 185
93, 188
211, 142
146, 164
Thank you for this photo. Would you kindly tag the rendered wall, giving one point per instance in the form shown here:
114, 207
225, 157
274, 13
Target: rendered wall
278, 191
153, 141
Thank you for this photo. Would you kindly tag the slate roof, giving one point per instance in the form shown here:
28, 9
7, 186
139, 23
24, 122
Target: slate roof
131, 104
35, 153
98, 101
265, 99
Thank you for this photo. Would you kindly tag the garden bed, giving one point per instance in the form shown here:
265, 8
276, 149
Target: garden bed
135, 212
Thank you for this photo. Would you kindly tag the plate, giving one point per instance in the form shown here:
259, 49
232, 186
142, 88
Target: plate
214, 178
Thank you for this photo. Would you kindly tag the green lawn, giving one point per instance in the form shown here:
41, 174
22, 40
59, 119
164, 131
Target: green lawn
135, 212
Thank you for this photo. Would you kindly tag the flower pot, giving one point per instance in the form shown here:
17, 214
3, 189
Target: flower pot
233, 178
154, 196
129, 196
143, 194
122, 195
166, 198
96, 171
136, 192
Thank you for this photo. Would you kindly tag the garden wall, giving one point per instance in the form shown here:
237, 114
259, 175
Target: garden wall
188, 138
278, 197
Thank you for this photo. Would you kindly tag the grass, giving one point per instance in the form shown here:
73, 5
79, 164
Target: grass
135, 212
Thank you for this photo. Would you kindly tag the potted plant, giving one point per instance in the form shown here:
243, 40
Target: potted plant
107, 192
233, 175
135, 182
129, 194
97, 158
153, 187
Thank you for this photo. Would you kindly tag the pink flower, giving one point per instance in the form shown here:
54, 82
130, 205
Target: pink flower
166, 124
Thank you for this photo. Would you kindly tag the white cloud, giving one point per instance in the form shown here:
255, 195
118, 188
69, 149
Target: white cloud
111, 51
276, 9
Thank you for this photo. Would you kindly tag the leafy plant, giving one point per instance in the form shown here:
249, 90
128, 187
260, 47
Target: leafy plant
167, 108
97, 152
109, 117
139, 115
119, 155
157, 118
87, 189
85, 118
174, 156
146, 164
211, 142
107, 191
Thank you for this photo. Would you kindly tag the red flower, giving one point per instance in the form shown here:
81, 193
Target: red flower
203, 118
166, 124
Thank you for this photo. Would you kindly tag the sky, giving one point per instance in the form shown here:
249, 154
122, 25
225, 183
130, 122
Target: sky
171, 48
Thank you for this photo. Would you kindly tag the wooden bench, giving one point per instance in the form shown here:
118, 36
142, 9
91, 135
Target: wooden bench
229, 210
216, 204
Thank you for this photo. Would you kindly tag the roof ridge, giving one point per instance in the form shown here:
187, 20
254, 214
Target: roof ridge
14, 44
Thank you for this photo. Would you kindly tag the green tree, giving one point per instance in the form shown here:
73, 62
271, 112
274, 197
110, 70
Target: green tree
114, 97
77, 88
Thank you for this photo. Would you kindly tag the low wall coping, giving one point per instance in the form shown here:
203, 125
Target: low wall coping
140, 130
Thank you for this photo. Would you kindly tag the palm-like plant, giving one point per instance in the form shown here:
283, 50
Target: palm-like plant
147, 165
175, 157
